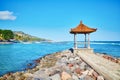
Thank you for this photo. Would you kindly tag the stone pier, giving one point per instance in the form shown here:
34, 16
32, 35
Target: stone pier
83, 50
107, 68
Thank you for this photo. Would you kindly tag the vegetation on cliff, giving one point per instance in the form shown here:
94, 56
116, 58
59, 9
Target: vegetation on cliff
6, 34
19, 36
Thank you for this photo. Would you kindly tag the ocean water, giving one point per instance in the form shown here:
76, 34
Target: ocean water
15, 57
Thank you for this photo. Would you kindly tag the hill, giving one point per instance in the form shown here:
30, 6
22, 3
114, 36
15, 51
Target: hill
21, 36
18, 36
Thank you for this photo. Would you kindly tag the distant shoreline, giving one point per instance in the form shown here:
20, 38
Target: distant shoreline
6, 42
11, 42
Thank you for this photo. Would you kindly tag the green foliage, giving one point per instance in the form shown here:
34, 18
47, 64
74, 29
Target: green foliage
0, 31
18, 36
6, 34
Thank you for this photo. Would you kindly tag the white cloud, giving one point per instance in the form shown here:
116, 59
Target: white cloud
7, 15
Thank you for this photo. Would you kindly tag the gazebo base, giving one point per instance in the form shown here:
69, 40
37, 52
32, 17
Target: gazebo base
83, 50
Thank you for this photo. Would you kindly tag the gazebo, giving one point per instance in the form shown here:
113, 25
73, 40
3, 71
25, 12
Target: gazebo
82, 29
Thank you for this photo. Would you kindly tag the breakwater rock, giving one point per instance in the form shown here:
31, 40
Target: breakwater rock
58, 66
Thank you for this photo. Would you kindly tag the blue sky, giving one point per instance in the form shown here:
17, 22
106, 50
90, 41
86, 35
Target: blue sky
53, 19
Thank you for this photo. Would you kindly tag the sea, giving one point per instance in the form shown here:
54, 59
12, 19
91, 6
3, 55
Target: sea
16, 57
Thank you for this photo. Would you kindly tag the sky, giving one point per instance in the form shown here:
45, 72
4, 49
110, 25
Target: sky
53, 19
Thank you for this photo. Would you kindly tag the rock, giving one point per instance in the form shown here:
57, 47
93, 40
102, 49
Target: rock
74, 77
82, 77
55, 77
83, 66
78, 70
85, 72
54, 72
41, 79
70, 65
100, 78
65, 76
64, 60
71, 59
95, 74
28, 75
88, 78
40, 74
72, 69
90, 73
59, 63
37, 61
77, 58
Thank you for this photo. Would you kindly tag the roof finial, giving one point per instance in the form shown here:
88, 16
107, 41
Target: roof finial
81, 22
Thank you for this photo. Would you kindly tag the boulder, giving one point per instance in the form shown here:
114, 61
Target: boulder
65, 76
78, 70
74, 77
88, 78
85, 72
90, 73
28, 75
77, 58
83, 66
55, 77
71, 59
70, 65
95, 74
64, 60
82, 77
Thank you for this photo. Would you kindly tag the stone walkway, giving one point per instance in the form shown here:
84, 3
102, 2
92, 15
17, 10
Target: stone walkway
109, 69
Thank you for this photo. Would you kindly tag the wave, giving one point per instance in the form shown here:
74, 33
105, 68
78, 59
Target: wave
106, 43
27, 42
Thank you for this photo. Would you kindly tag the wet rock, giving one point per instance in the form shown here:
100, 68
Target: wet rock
65, 76
37, 61
55, 77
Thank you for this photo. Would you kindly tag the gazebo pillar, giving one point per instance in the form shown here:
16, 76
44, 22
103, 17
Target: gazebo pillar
85, 40
88, 41
75, 42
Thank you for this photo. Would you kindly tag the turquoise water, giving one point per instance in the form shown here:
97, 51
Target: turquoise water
15, 57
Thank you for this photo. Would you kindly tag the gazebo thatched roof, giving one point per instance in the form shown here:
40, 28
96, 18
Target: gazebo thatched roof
82, 29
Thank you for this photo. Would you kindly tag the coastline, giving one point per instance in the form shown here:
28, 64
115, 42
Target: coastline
56, 65
6, 42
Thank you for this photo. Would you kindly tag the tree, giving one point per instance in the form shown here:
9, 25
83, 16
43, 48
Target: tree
7, 34
0, 31
0, 34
